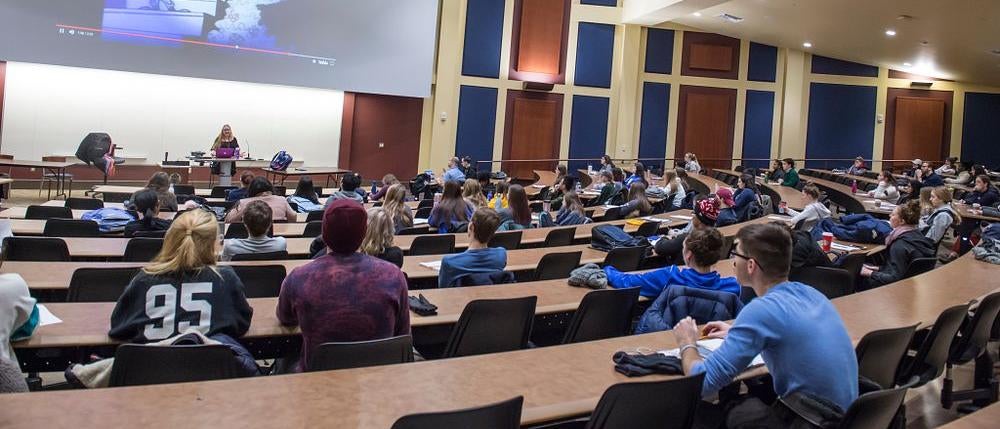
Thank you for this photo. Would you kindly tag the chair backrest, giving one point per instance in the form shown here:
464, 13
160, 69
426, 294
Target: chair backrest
874, 410
115, 197
932, 354
491, 326
99, 284
45, 249
852, 263
137, 365
919, 266
413, 230
84, 203
625, 258
261, 281
727, 246
423, 213
560, 237
280, 190
976, 333
386, 351
71, 228
142, 249
220, 191
425, 204
832, 282
747, 294
880, 353
508, 240
239, 230
436, 244
613, 213
557, 265
483, 279
668, 404
267, 256
502, 415
183, 189
647, 229
47, 212
315, 215
313, 229
605, 313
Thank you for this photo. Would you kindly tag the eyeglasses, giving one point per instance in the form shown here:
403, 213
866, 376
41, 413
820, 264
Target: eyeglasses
734, 253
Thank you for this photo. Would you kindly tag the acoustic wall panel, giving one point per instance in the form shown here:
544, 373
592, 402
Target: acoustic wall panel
841, 122
659, 50
477, 111
588, 133
826, 65
611, 3
710, 55
595, 51
757, 128
981, 128
483, 38
763, 63
653, 121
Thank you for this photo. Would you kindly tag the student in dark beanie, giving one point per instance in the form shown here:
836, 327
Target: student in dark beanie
344, 295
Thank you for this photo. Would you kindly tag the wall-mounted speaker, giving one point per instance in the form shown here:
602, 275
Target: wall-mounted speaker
921, 84
538, 86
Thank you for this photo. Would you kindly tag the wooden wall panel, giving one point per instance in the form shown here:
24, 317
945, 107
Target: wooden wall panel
706, 124
3, 79
710, 55
540, 36
919, 128
894, 146
532, 130
381, 134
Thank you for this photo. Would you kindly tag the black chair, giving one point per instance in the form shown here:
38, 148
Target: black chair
71, 228
425, 204
184, 190
932, 352
874, 410
42, 249
239, 230
137, 365
602, 314
502, 415
919, 266
413, 230
625, 258
880, 352
220, 191
492, 326
115, 197
832, 282
560, 237
508, 240
970, 345
613, 213
260, 281
747, 294
853, 263
557, 265
423, 213
313, 229
647, 229
668, 404
437, 244
387, 351
47, 212
280, 191
484, 279
268, 256
142, 249
727, 246
315, 215
99, 284
84, 204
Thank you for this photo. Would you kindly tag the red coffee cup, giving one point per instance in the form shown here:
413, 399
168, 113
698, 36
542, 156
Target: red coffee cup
782, 206
827, 241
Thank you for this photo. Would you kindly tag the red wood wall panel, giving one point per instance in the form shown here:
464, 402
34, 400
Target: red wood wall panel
541, 33
706, 122
532, 130
3, 79
890, 147
710, 55
380, 134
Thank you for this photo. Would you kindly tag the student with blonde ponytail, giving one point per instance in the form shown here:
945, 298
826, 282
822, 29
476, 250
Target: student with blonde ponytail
183, 288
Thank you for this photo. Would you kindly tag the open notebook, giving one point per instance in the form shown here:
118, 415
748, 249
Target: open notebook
434, 265
707, 347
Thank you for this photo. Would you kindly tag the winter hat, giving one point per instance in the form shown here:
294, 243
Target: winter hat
726, 195
707, 211
345, 223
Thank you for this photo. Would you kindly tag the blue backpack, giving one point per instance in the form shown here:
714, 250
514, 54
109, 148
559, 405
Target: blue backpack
281, 161
109, 219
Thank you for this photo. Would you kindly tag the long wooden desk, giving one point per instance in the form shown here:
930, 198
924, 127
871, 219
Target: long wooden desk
984, 418
791, 196
331, 173
56, 168
556, 382
19, 212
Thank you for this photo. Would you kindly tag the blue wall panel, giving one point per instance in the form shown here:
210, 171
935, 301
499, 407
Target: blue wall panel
653, 122
595, 50
841, 122
477, 117
588, 134
981, 129
659, 50
483, 37
757, 127
763, 65
611, 3
826, 65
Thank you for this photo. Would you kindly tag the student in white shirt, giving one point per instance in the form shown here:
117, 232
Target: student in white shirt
257, 219
886, 189
812, 212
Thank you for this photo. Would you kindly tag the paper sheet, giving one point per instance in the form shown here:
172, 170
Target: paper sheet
681, 217
419, 221
434, 265
781, 218
847, 248
538, 186
45, 317
653, 219
706, 347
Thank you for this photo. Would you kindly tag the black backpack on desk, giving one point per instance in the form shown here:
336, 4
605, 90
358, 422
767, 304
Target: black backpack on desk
607, 237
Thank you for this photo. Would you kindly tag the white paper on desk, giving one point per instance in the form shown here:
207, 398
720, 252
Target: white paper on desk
45, 317
434, 265
419, 221
781, 218
538, 186
707, 347
681, 217
653, 219
609, 206
844, 247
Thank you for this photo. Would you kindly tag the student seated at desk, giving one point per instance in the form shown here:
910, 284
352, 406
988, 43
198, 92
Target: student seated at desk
246, 178
638, 204
378, 239
344, 295
305, 197
387, 181
261, 190
727, 214
858, 168
18, 320
701, 250
886, 189
395, 207
499, 200
928, 177
639, 175
962, 175
794, 327
571, 213
257, 219
812, 212
518, 214
479, 258
159, 183
673, 186
147, 205
790, 177
453, 173
948, 167
942, 215
348, 190
777, 174
452, 212
691, 163
183, 288
983, 193
473, 193
670, 246
609, 189
905, 243
486, 183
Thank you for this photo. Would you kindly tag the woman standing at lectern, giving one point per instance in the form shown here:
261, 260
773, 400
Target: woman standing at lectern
227, 140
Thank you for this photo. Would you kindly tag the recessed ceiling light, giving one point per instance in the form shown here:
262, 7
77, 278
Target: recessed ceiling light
807, 45
697, 14
890, 33
907, 65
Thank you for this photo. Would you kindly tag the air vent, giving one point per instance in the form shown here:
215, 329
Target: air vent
730, 18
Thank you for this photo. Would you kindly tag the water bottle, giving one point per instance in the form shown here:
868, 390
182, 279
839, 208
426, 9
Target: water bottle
374, 188
489, 196
854, 186
590, 169
578, 187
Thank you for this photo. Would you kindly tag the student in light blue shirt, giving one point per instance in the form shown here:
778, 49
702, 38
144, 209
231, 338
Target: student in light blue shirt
480, 258
454, 173
792, 326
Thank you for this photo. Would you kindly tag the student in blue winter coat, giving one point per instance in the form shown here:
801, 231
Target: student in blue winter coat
702, 249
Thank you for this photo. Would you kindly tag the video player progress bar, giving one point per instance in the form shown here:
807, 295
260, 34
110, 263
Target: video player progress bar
195, 42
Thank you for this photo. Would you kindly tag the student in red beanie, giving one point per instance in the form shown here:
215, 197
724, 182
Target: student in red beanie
344, 295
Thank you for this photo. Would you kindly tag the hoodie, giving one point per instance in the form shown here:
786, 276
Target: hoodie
809, 216
906, 247
654, 282
344, 195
